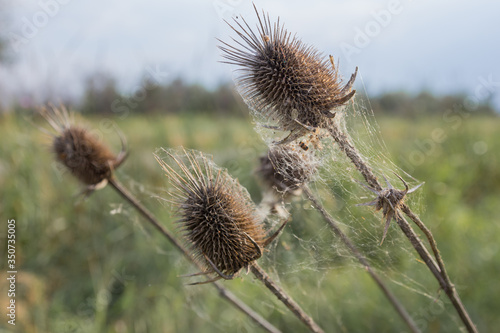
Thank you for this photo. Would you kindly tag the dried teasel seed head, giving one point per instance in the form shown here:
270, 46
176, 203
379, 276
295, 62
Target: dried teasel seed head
284, 80
287, 167
87, 158
216, 214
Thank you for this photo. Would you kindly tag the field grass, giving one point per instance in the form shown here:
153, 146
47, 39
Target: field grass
96, 266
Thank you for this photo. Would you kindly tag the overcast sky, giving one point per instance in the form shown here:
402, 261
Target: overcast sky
442, 46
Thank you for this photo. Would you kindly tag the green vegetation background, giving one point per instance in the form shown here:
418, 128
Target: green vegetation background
96, 266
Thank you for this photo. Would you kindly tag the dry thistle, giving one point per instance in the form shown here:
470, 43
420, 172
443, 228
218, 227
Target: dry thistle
285, 80
83, 154
217, 216
389, 200
287, 167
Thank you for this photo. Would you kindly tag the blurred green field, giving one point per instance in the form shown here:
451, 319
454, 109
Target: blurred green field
96, 266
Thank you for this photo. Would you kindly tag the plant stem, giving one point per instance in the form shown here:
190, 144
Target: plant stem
448, 287
228, 295
430, 239
347, 242
440, 273
245, 308
283, 297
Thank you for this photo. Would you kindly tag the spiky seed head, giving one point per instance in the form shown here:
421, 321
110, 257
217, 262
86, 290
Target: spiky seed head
283, 79
287, 167
389, 200
216, 214
87, 158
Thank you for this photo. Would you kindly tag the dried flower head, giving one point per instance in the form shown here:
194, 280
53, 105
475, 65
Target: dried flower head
389, 200
217, 216
285, 80
287, 167
81, 152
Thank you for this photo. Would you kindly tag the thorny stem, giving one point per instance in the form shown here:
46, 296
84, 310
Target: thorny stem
347, 242
439, 273
283, 297
228, 295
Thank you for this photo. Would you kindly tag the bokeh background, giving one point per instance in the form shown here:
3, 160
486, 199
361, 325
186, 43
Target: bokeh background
428, 71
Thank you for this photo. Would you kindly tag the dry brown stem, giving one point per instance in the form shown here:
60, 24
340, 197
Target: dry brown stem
347, 242
217, 207
225, 293
437, 270
283, 297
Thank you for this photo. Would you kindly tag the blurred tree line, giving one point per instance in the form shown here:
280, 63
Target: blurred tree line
407, 105
103, 97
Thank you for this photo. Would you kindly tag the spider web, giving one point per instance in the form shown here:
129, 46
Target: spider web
307, 259
310, 251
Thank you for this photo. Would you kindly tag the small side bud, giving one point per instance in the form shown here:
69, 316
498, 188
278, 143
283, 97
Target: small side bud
285, 168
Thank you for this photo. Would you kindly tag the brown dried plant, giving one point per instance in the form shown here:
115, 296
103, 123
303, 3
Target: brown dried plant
285, 80
86, 157
389, 200
93, 164
221, 223
216, 215
285, 168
